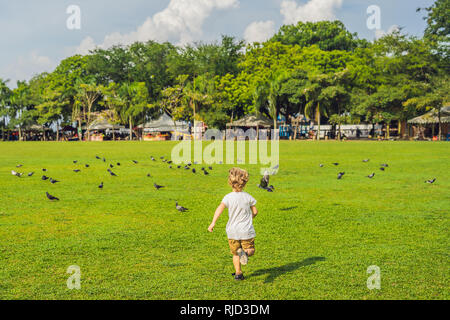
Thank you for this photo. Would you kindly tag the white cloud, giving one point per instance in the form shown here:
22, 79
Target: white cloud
181, 22
379, 33
25, 67
312, 11
259, 31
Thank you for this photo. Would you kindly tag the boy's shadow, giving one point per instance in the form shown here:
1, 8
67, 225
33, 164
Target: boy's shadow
275, 272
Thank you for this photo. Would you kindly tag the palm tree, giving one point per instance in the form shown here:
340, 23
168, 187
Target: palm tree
316, 102
5, 94
133, 102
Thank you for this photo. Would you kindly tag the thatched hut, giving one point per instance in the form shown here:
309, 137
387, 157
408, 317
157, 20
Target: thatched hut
425, 125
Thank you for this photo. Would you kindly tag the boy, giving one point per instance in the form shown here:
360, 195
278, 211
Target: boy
241, 212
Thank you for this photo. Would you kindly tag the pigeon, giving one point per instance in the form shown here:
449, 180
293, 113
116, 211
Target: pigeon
385, 165
264, 181
340, 175
271, 187
17, 174
164, 160
157, 186
371, 176
193, 170
118, 164
186, 167
321, 165
53, 181
382, 169
169, 162
97, 157
170, 167
30, 174
111, 166
431, 181
153, 159
205, 172
180, 208
44, 170
135, 161
104, 160
264, 184
51, 198
112, 174
100, 186
178, 167
336, 163
86, 165
45, 178
276, 167
20, 165
366, 160
161, 157
76, 170
149, 175
210, 168
75, 161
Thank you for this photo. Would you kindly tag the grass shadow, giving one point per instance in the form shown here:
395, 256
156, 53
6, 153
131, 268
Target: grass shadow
275, 272
289, 208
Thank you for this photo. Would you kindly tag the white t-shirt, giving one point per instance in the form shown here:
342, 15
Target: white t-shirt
240, 220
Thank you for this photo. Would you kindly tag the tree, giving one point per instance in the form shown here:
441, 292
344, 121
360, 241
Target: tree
88, 93
316, 100
20, 111
5, 94
112, 102
435, 99
437, 32
327, 35
438, 17
134, 97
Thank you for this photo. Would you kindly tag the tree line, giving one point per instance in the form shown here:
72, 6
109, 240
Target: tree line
317, 69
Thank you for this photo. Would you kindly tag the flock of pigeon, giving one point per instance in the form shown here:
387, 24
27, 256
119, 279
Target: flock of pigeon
264, 183
109, 170
383, 167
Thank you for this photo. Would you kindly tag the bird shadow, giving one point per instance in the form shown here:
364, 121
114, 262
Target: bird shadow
275, 272
288, 208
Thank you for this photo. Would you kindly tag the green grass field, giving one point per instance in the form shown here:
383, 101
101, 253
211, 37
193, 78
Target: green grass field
316, 235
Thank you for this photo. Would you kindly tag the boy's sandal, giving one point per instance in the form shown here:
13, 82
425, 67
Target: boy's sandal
238, 277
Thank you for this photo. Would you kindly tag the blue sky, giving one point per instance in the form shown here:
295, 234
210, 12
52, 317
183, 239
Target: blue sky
35, 37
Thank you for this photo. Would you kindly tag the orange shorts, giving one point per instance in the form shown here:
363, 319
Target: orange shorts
244, 244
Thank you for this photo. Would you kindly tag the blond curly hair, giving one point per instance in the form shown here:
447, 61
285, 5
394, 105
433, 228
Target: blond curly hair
237, 178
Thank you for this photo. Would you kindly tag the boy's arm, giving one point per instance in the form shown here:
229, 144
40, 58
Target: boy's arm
217, 214
254, 211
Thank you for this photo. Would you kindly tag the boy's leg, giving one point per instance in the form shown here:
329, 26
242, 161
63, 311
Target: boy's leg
235, 245
237, 264
249, 246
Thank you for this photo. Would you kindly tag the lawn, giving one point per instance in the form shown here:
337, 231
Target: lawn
316, 235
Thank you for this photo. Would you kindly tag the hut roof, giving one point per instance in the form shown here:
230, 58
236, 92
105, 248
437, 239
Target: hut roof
433, 117
103, 124
252, 120
164, 124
